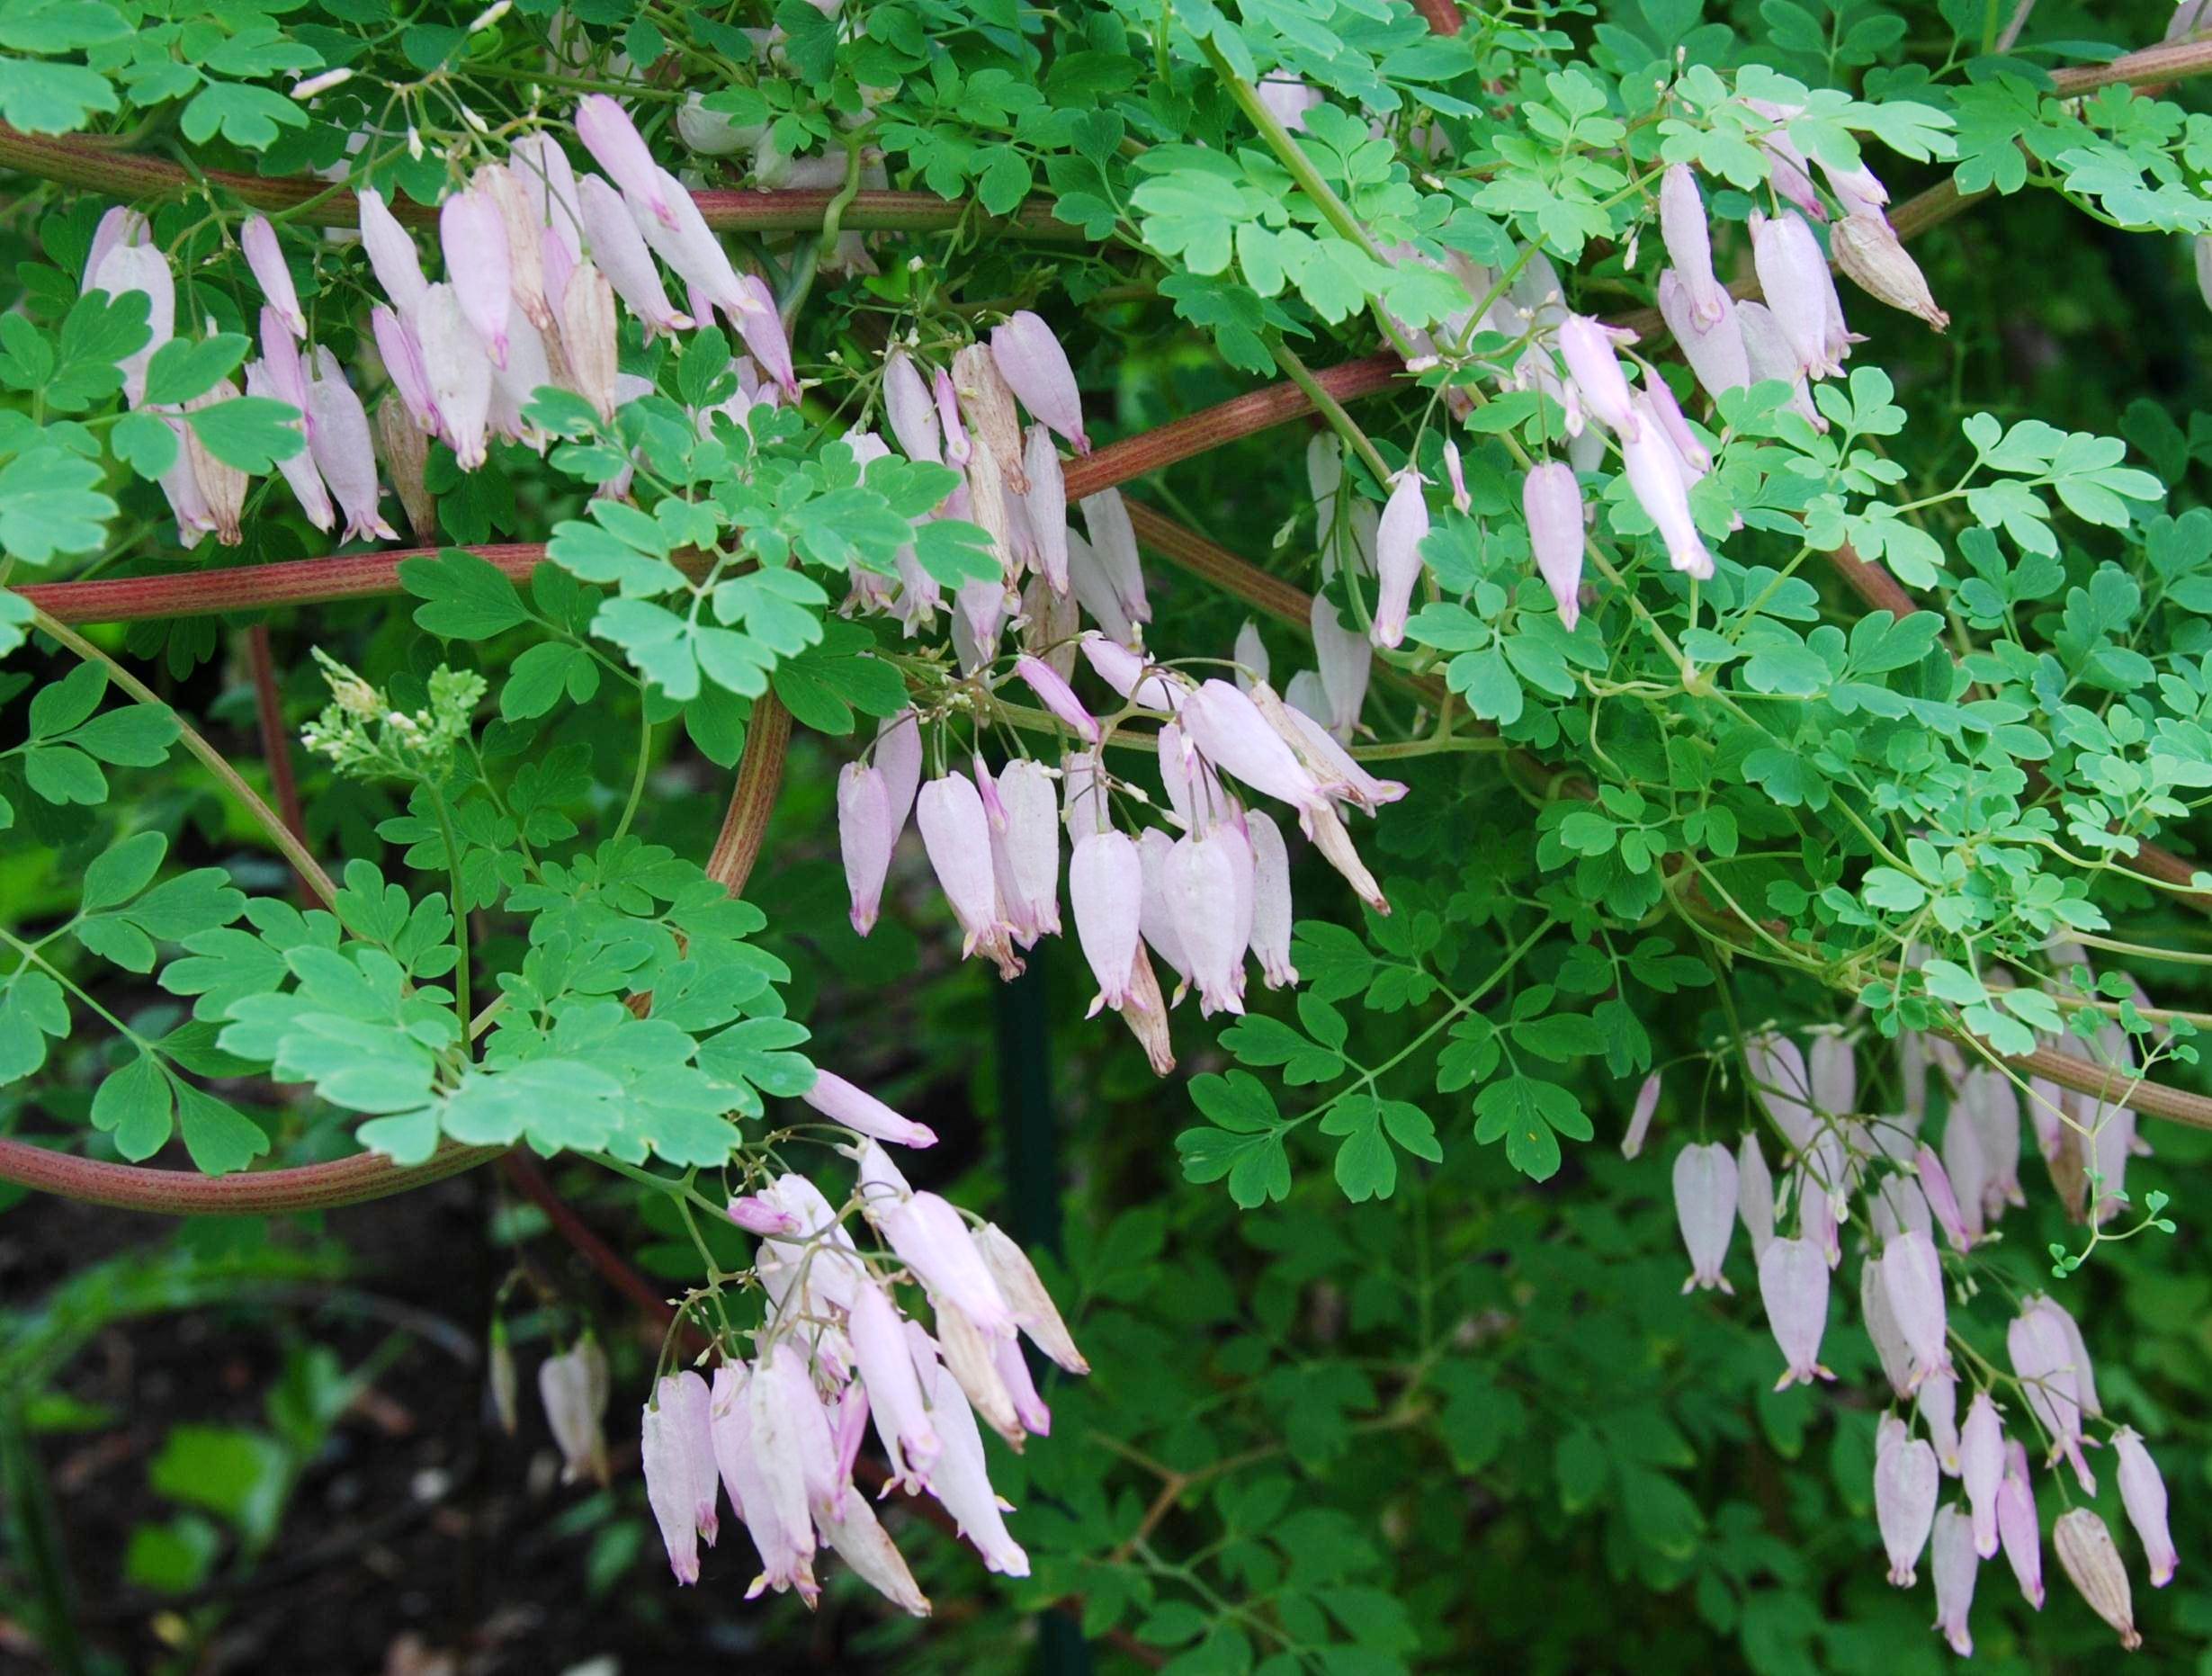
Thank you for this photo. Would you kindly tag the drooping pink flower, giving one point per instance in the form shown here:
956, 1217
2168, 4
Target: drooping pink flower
459, 372
573, 1388
1913, 1280
617, 146
956, 833
1705, 1207
1346, 662
1058, 696
1131, 674
1156, 914
541, 168
1033, 1310
619, 251
961, 1480
266, 258
1769, 354
899, 754
1935, 1188
2142, 1491
1905, 1482
1113, 544
1333, 768
858, 1109
1201, 888
1981, 1462
2077, 1351
911, 413
129, 267
393, 258
1954, 1566
1398, 555
298, 469
1775, 1069
1657, 400
339, 439
2086, 1550
1105, 887
866, 839
1937, 1403
787, 1424
1551, 501
2043, 1362
1794, 276
473, 239
117, 225
1716, 352
1640, 1122
1881, 1323
1271, 901
1689, 239
677, 1444
1229, 729
1586, 344
755, 1214
1013, 1369
1655, 477
2018, 1528
1754, 1194
885, 1358
932, 1240
1036, 367
1793, 1284
1025, 850
403, 360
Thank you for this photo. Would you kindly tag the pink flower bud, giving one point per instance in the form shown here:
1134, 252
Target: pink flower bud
1716, 352
1036, 367
842, 1103
1551, 501
459, 372
1058, 696
956, 834
1769, 355
1398, 555
908, 405
298, 469
947, 399
755, 1214
1126, 671
118, 226
617, 146
1105, 887
1954, 1566
1794, 276
2086, 1551
1936, 1188
1587, 346
1640, 1123
885, 1360
1913, 1280
866, 837
1881, 1322
392, 255
474, 240
1775, 1069
1937, 1403
266, 258
1793, 1284
930, 1238
339, 439
1704, 1207
1683, 227
678, 1445
1659, 401
1965, 1167
1114, 545
1655, 477
2017, 1525
1200, 886
1905, 1481
1754, 1196
1981, 1469
2084, 1374
1346, 662
619, 251
2144, 1494
962, 1482
785, 1424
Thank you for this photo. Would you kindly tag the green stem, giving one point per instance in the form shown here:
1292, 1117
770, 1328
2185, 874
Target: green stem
637, 780
461, 911
1331, 410
281, 835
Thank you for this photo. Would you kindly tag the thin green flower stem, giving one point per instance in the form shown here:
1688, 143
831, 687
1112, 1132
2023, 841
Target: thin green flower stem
271, 822
460, 907
637, 779
33, 956
1331, 410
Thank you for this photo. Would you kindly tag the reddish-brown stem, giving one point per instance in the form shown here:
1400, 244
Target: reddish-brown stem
526, 1178
260, 1192
141, 179
760, 775
275, 738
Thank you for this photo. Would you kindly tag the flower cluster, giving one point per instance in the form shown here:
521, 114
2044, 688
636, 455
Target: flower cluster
781, 1430
1906, 1192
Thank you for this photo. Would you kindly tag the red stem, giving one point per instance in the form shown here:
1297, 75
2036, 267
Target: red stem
276, 741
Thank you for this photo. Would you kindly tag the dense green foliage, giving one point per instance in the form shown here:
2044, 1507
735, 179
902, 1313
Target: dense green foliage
1394, 1370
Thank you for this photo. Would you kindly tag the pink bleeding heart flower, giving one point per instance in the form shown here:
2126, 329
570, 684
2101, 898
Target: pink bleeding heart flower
1704, 1207
460, 375
1398, 555
1689, 239
2144, 1494
1942, 1202
1271, 901
899, 754
617, 146
1655, 477
1981, 1469
678, 1445
141, 268
1795, 278
1793, 1284
1106, 888
339, 438
1937, 1403
932, 1240
866, 839
1905, 1482
755, 1214
1346, 662
393, 258
1058, 696
1639, 1121
1587, 346
1912, 1281
2043, 1362
911, 412
540, 168
266, 258
2018, 1527
1229, 730
1716, 353
403, 360
858, 1109
1114, 544
1754, 1196
473, 236
1025, 850
956, 834
1954, 1567
1201, 888
885, 1360
619, 251
961, 1482
1034, 365
1551, 501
